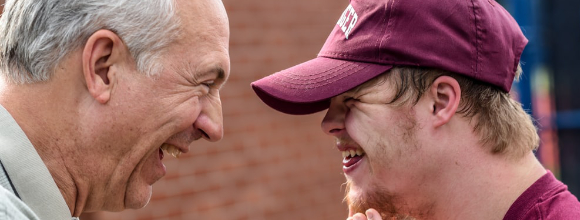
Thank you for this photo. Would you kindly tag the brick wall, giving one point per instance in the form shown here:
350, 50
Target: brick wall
269, 165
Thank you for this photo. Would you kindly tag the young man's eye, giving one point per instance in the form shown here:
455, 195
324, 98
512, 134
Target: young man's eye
348, 99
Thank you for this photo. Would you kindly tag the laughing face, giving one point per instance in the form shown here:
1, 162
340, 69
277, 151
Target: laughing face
384, 161
166, 112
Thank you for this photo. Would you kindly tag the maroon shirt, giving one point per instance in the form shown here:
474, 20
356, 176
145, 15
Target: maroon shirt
547, 198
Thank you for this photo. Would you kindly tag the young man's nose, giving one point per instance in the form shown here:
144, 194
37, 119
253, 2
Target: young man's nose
333, 122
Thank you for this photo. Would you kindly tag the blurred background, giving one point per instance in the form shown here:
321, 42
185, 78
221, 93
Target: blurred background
274, 166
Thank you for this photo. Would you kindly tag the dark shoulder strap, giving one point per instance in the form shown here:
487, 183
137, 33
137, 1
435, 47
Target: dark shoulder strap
6, 182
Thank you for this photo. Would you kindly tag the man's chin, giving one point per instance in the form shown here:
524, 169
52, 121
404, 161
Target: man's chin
138, 199
357, 204
356, 198
359, 200
353, 200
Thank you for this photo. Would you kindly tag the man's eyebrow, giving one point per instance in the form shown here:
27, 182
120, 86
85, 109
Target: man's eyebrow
218, 71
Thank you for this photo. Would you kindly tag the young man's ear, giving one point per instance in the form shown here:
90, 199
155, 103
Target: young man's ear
103, 50
446, 95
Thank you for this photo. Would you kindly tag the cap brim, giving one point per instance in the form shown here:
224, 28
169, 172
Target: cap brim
307, 87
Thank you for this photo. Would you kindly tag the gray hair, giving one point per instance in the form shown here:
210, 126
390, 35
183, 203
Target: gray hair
35, 35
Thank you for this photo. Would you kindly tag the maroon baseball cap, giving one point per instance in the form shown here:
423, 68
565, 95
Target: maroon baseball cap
475, 38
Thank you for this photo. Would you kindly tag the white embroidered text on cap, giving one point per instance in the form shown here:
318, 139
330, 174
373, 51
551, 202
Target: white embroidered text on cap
349, 17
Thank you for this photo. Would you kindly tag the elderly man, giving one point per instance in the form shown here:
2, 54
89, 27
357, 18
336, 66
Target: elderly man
93, 90
417, 98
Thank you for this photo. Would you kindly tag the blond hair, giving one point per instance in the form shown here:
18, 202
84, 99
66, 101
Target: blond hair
500, 121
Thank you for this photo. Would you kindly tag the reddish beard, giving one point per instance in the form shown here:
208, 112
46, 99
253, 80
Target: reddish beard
380, 200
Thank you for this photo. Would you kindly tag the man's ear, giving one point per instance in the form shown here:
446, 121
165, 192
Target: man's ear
103, 50
446, 94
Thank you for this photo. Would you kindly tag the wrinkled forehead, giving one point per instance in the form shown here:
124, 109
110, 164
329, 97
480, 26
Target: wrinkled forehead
202, 17
204, 34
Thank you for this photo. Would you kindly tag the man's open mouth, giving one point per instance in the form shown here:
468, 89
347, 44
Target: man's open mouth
352, 156
170, 149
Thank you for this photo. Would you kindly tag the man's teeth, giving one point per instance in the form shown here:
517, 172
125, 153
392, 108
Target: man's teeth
170, 149
352, 153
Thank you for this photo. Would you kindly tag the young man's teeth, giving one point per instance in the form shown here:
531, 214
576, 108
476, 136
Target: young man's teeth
352, 153
170, 149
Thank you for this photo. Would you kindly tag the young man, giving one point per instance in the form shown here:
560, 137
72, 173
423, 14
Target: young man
417, 98
93, 90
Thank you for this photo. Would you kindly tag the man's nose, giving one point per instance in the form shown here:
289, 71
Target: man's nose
333, 122
210, 120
